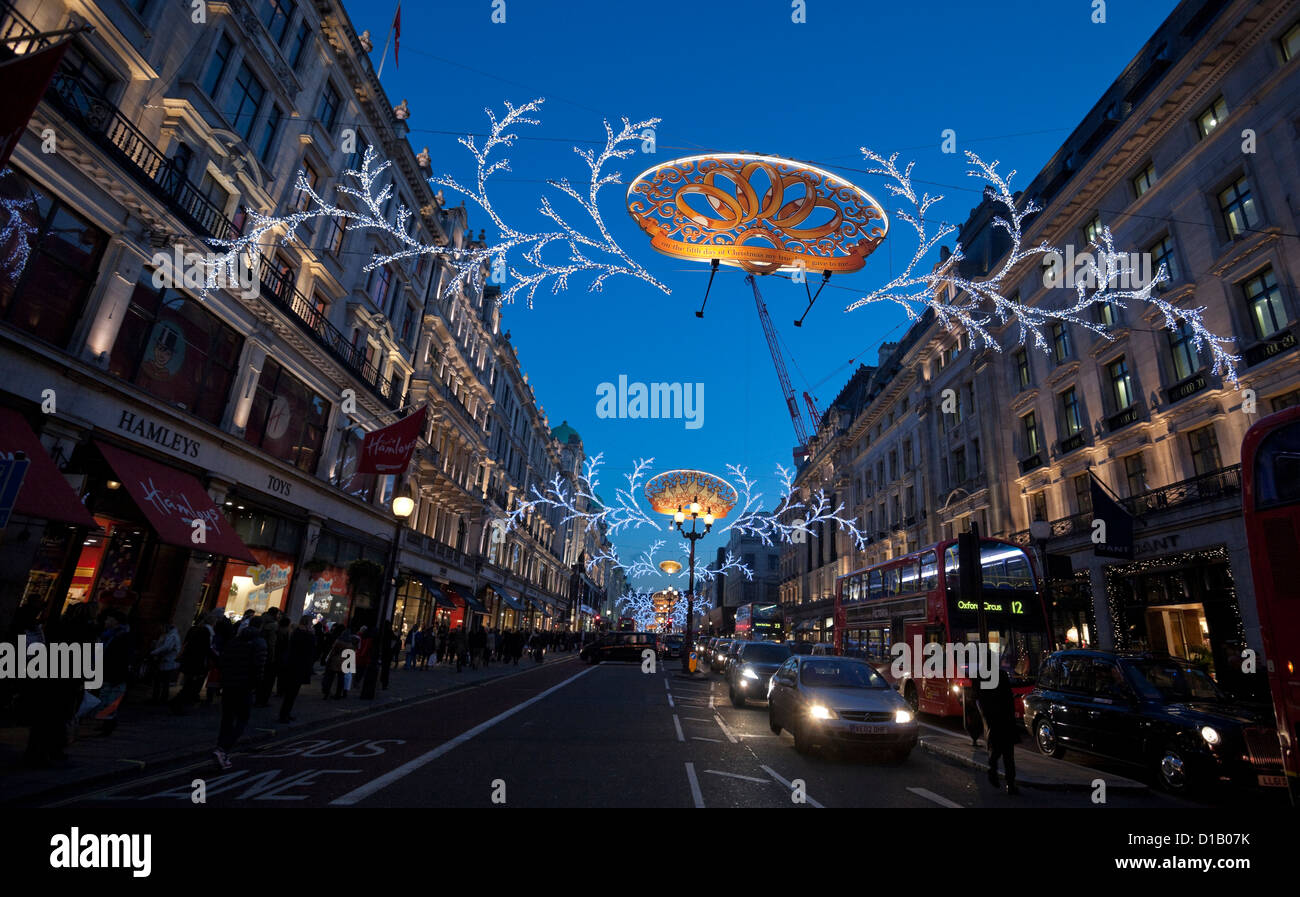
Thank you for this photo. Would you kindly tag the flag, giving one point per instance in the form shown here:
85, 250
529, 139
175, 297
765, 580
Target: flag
25, 79
1118, 541
388, 450
397, 35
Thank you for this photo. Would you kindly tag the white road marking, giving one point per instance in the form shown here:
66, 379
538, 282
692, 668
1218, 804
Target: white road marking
670, 701
806, 796
695, 786
702, 738
725, 730
359, 794
667, 686
732, 775
937, 798
710, 700
698, 719
678, 724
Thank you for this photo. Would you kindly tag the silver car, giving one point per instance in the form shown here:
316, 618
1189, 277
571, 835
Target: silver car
839, 701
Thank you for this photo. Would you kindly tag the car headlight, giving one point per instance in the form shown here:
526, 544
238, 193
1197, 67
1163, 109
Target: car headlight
748, 673
820, 711
902, 716
1210, 735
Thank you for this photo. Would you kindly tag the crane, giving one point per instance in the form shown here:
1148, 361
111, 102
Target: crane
792, 405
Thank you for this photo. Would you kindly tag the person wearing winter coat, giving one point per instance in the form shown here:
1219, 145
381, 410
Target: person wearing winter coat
243, 663
162, 659
194, 657
116, 639
299, 659
268, 625
338, 658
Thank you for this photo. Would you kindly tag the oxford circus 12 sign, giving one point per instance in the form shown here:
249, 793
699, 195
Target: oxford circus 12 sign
388, 451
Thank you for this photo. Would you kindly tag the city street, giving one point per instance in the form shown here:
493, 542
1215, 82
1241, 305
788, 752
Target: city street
570, 735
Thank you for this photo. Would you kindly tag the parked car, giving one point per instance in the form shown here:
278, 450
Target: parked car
840, 701
752, 669
629, 646
823, 649
803, 647
1158, 712
670, 646
719, 654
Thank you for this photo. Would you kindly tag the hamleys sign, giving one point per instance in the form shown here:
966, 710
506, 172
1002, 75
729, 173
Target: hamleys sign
388, 451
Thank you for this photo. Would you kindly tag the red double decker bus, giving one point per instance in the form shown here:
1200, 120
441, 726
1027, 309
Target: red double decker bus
1270, 474
916, 599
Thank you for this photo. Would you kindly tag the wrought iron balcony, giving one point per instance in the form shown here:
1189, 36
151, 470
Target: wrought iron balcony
1208, 487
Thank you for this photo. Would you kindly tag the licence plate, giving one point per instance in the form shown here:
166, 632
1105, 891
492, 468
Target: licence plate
1266, 781
861, 729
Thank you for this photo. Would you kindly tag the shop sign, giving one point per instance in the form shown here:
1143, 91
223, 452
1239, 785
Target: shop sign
159, 434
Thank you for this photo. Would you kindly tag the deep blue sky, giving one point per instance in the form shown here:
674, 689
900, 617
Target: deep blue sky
1012, 78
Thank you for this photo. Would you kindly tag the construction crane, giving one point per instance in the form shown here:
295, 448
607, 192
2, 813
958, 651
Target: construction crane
791, 404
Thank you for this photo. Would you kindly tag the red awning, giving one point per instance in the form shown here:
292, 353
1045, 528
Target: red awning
45, 493
172, 501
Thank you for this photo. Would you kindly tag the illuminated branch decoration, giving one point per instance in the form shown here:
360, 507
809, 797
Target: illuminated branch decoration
645, 566
571, 249
984, 303
794, 519
581, 503
17, 233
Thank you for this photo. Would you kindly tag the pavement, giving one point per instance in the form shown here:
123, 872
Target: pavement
1033, 770
149, 737
566, 734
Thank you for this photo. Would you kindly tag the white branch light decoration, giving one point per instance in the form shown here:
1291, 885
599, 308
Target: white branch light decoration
987, 304
571, 249
645, 566
793, 519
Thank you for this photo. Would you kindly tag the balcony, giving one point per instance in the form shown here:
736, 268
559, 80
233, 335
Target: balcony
1074, 442
1222, 484
278, 286
1033, 462
1188, 386
1123, 418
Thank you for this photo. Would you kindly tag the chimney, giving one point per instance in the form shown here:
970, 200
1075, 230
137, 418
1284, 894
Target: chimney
886, 349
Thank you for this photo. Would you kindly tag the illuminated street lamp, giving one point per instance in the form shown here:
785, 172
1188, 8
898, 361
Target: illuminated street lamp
701, 497
403, 507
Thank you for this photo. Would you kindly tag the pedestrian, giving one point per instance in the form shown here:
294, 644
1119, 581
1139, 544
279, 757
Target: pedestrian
163, 663
194, 657
411, 638
283, 635
223, 634
342, 656
116, 639
998, 707
55, 701
491, 650
268, 625
299, 659
388, 644
242, 663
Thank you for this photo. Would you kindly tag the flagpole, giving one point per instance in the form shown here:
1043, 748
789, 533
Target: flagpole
387, 41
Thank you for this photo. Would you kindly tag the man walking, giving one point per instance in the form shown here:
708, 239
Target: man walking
299, 660
998, 707
242, 664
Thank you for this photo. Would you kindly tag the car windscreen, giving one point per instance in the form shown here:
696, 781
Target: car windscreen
838, 673
765, 653
1166, 681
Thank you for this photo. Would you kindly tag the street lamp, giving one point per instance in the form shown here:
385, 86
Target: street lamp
1040, 531
403, 507
703, 498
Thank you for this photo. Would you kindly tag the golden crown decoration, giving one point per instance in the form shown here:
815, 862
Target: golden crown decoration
676, 489
762, 214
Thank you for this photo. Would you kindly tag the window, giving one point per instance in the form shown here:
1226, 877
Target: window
1038, 506
408, 325
344, 473
337, 228
244, 100
907, 455
328, 113
1135, 474
176, 350
359, 154
1212, 117
975, 452
81, 67
287, 419
1023, 374
1286, 400
1092, 230
1029, 426
1060, 343
893, 464
1205, 450
1071, 418
1162, 253
217, 65
301, 41
1181, 350
273, 121
1145, 179
1290, 42
49, 261
381, 280
959, 464
1265, 301
1083, 493
275, 16
214, 191
303, 199
1107, 313
1238, 208
1121, 384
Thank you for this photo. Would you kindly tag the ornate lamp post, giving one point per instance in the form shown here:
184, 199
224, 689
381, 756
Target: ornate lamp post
701, 497
403, 507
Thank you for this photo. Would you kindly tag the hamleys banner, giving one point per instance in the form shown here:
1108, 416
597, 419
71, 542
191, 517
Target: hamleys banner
388, 451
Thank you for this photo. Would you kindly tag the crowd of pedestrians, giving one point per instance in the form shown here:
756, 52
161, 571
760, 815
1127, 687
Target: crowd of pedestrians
426, 648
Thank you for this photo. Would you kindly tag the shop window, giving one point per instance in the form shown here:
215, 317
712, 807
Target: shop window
49, 257
287, 419
176, 350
